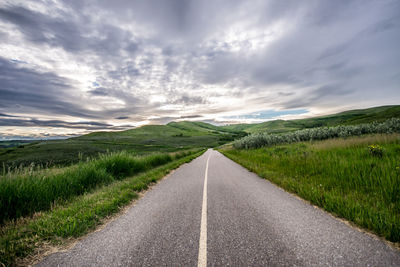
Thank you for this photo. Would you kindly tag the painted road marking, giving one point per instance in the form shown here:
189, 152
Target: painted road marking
202, 260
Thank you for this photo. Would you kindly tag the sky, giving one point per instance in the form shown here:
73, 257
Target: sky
72, 67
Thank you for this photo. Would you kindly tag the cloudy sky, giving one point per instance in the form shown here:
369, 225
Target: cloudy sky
71, 67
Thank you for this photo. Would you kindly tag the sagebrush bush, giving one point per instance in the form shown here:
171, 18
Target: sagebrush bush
321, 133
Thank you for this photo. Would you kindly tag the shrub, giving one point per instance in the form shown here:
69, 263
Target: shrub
375, 150
321, 133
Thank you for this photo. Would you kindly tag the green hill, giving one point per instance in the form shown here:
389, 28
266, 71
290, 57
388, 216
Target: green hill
13, 143
172, 137
239, 127
350, 117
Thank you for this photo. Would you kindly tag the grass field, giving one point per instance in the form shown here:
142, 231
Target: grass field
351, 117
320, 133
22, 239
14, 143
175, 136
23, 193
172, 137
357, 178
54, 190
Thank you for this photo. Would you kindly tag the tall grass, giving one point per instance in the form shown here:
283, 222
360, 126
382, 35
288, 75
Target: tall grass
22, 240
344, 176
321, 133
26, 193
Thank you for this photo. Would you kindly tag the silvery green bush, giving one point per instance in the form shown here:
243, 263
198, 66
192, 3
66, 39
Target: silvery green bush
320, 133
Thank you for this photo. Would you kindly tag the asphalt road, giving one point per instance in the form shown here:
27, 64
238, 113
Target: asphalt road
242, 220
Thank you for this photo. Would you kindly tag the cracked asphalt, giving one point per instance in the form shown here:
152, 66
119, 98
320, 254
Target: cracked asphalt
250, 222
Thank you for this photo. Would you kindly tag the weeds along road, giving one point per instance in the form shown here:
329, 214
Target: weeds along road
239, 220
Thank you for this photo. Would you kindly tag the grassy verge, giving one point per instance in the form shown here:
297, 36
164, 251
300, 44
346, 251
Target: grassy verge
81, 214
357, 178
322, 133
23, 194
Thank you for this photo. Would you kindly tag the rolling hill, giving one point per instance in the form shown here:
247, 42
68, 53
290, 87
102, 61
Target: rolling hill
350, 117
172, 137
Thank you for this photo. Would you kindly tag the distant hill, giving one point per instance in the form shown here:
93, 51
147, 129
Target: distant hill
172, 137
13, 143
350, 117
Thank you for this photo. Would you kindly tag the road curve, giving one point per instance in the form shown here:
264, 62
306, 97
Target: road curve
249, 222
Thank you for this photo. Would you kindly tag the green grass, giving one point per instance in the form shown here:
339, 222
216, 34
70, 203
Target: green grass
343, 176
14, 143
320, 133
351, 117
25, 237
172, 137
176, 136
26, 193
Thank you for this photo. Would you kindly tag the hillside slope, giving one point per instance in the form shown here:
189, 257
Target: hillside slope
146, 139
350, 117
172, 137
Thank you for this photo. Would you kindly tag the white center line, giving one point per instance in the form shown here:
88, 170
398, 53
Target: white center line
202, 260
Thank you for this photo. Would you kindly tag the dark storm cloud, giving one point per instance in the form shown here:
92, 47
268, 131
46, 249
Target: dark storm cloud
7, 115
87, 125
314, 96
285, 93
68, 33
338, 44
189, 100
25, 90
173, 20
123, 71
194, 54
100, 91
191, 116
50, 123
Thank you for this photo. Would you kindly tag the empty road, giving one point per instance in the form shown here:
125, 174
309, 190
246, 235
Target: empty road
214, 212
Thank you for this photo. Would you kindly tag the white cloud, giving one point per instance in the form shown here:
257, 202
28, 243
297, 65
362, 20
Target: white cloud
157, 60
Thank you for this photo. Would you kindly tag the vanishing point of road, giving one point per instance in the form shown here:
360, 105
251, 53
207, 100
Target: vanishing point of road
213, 212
